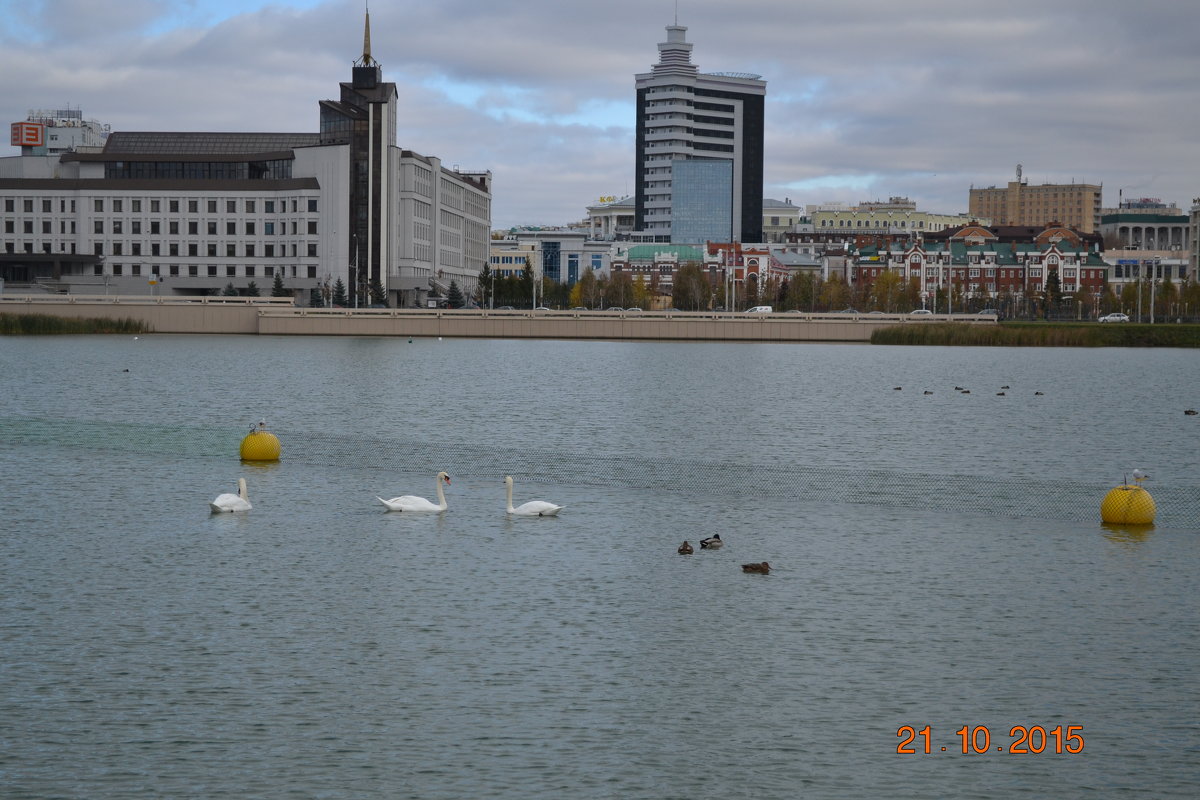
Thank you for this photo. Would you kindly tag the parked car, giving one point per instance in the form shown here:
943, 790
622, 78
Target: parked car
1116, 316
505, 308
989, 311
614, 308
760, 310
541, 308
920, 311
848, 311
578, 308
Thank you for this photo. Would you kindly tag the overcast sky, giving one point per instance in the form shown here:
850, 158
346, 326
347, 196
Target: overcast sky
865, 98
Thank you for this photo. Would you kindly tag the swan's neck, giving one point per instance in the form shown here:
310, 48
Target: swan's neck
242, 488
441, 496
508, 488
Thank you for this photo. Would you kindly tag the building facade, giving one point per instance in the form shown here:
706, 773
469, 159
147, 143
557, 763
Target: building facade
699, 151
1074, 205
193, 213
898, 215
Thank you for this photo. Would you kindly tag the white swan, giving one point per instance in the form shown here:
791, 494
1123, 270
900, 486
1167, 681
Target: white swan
409, 502
231, 502
534, 508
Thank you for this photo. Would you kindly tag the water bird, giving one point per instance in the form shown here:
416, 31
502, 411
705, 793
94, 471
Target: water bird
958, 388
231, 502
999, 394
711, 543
928, 392
1139, 476
896, 388
1191, 412
966, 391
761, 568
534, 508
685, 549
1005, 387
410, 502
1035, 394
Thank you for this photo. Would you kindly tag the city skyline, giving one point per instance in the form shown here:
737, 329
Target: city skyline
867, 100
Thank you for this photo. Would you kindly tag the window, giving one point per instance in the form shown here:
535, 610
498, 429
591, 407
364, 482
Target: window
212, 229
230, 206
212, 206
8, 205
136, 269
46, 206
155, 229
135, 227
250, 228
117, 249
249, 206
155, 249
154, 206
249, 251
312, 205
192, 250
269, 228
193, 228
116, 226
193, 206
97, 226
98, 202
231, 271
174, 270
312, 250
230, 251
269, 250
174, 249
137, 206
116, 268
269, 206
312, 227
173, 228
137, 249
173, 206
45, 226
231, 229
193, 270
28, 206
249, 272
212, 251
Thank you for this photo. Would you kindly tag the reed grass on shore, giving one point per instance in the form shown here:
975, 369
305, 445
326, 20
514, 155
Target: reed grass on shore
44, 324
1041, 334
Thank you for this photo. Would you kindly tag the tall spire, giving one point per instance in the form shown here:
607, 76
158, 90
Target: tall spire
367, 60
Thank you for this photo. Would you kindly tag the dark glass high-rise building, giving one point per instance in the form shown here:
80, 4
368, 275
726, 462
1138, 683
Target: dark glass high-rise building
699, 168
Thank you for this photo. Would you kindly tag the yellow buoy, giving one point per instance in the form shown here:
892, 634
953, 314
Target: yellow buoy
1128, 505
260, 445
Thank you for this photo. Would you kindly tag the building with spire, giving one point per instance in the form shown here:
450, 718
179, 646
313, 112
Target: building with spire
699, 150
195, 213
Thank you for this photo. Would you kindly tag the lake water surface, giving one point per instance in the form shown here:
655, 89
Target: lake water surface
938, 560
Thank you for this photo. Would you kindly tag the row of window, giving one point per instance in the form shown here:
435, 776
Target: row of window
249, 250
117, 205
117, 228
210, 270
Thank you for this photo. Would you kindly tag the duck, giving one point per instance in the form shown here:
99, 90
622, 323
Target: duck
1038, 394
928, 392
958, 388
410, 502
761, 568
231, 502
712, 542
897, 388
966, 391
685, 549
1005, 387
534, 508
1191, 412
999, 394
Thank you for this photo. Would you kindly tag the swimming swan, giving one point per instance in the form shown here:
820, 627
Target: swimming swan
231, 502
409, 502
534, 508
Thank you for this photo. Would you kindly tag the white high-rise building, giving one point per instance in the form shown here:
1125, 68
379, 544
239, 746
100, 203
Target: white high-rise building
699, 146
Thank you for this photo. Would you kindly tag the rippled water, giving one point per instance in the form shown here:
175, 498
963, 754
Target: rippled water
937, 562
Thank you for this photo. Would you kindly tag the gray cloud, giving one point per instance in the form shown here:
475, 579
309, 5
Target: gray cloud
865, 98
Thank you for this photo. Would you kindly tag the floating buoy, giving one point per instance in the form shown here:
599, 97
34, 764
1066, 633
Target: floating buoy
260, 444
1128, 505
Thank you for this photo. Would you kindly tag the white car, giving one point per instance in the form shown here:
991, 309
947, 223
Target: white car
1115, 317
921, 311
761, 310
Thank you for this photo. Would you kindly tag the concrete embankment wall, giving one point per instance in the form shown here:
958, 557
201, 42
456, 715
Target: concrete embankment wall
275, 317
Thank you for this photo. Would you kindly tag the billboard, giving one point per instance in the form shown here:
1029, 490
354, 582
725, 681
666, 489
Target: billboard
28, 134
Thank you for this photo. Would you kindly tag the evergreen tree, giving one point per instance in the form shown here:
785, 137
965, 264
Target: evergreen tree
483, 286
315, 298
378, 295
229, 290
454, 296
252, 289
526, 289
278, 289
339, 293
1053, 292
